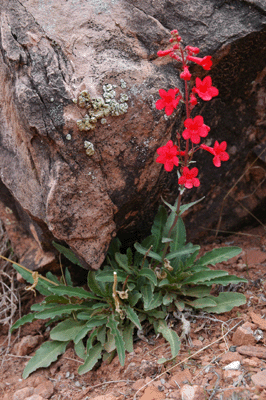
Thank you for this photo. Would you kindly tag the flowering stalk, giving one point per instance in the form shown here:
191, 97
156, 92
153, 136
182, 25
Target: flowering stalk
172, 155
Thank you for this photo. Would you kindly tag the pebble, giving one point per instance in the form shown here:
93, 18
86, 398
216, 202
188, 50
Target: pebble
235, 365
259, 379
252, 351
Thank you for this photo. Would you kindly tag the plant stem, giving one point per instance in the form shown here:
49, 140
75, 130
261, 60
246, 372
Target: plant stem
173, 225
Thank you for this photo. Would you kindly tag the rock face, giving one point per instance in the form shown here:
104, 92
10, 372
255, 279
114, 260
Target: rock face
51, 51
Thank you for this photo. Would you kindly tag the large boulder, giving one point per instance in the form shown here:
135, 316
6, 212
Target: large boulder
82, 187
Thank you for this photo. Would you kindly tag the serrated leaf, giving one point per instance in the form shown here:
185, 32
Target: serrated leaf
94, 286
147, 294
120, 346
128, 332
155, 302
143, 251
23, 320
148, 273
91, 359
110, 342
80, 350
132, 315
196, 291
133, 298
184, 250
55, 299
201, 303
64, 309
66, 330
101, 334
122, 261
108, 276
226, 301
225, 280
40, 306
81, 334
171, 337
44, 356
158, 227
168, 298
204, 276
185, 207
91, 340
218, 255
73, 292
68, 253
42, 285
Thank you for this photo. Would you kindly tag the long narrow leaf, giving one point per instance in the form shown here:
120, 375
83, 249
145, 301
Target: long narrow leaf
68, 253
91, 359
66, 330
151, 253
23, 320
72, 292
218, 255
171, 337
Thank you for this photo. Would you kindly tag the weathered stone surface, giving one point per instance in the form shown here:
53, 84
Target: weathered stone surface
252, 351
27, 345
50, 51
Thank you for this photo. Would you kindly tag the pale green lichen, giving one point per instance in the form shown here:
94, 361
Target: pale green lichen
89, 148
68, 136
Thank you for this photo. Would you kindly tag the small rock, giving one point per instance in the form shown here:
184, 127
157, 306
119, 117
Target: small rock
252, 362
104, 397
252, 351
194, 392
22, 394
45, 389
235, 365
27, 345
260, 322
138, 384
259, 379
243, 336
35, 397
231, 374
230, 357
180, 377
152, 393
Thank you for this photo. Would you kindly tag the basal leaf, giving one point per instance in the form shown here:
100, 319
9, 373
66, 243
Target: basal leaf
203, 302
91, 340
95, 286
63, 309
68, 253
226, 301
158, 227
179, 236
218, 255
52, 277
101, 334
147, 295
171, 337
73, 292
168, 298
148, 273
68, 277
23, 320
133, 298
91, 359
204, 276
184, 250
44, 356
119, 343
122, 261
151, 253
132, 315
225, 280
128, 332
42, 285
196, 291
80, 350
155, 302
108, 276
66, 330
110, 342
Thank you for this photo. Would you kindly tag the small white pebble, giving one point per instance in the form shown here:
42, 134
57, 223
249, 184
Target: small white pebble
235, 365
67, 374
68, 136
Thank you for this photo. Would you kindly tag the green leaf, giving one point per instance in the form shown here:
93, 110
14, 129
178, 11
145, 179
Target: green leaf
171, 337
132, 315
180, 305
148, 273
68, 253
218, 255
114, 247
225, 280
172, 208
94, 286
66, 330
40, 306
143, 251
23, 320
80, 350
203, 302
128, 332
226, 301
108, 276
52, 277
203, 276
196, 291
110, 342
101, 334
129, 256
168, 298
64, 309
93, 356
81, 334
178, 235
120, 346
54, 299
122, 261
44, 356
73, 292
42, 285
147, 294
91, 340
133, 298
155, 302
68, 277
188, 249
158, 227
185, 207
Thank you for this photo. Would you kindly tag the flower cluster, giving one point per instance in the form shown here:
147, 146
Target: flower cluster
171, 155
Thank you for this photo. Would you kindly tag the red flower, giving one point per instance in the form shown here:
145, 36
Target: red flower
192, 50
168, 100
204, 89
167, 156
186, 75
193, 101
162, 53
195, 129
204, 62
218, 151
189, 178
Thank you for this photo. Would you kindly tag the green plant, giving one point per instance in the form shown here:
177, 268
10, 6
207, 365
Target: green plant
132, 290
